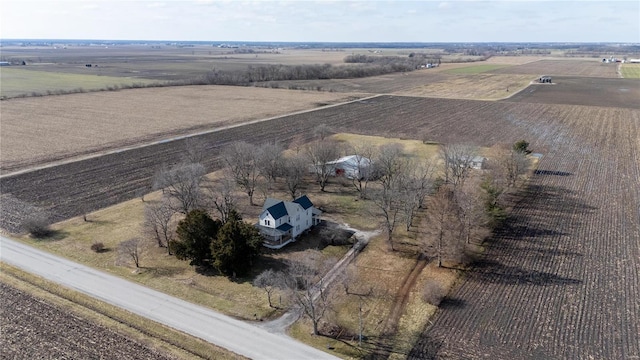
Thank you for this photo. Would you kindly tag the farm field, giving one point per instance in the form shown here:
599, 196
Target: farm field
566, 67
475, 69
572, 244
630, 71
35, 329
619, 93
22, 80
424, 83
45, 129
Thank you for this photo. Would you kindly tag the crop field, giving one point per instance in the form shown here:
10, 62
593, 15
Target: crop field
620, 93
562, 278
475, 69
630, 71
425, 83
44, 129
19, 81
34, 329
560, 281
569, 67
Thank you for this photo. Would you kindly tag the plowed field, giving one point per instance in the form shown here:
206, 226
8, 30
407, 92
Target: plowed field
621, 93
568, 67
562, 280
40, 130
34, 329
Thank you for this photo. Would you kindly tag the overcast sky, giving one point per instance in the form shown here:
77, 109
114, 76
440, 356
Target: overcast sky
324, 21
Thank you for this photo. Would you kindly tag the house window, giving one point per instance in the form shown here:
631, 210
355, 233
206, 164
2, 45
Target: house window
297, 227
298, 217
266, 222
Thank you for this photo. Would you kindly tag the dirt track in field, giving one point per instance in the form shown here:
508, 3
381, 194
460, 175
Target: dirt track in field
562, 280
45, 129
34, 329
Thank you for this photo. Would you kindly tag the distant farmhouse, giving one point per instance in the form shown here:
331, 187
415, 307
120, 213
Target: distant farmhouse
281, 222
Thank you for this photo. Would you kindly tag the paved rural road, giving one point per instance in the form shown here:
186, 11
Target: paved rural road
231, 334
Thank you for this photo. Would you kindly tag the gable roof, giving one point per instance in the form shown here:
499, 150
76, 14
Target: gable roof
304, 202
277, 211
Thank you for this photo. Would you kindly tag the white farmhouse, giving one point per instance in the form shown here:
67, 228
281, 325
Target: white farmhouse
281, 222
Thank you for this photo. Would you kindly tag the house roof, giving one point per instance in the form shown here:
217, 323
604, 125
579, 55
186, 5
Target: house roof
304, 202
284, 227
278, 210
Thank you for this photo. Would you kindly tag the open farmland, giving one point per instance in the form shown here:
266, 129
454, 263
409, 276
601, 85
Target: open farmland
425, 83
34, 329
561, 280
630, 71
621, 93
18, 81
45, 129
568, 67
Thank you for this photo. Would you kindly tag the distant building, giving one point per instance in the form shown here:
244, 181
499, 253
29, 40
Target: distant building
544, 79
4, 63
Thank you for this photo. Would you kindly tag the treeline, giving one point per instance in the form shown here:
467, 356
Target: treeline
306, 72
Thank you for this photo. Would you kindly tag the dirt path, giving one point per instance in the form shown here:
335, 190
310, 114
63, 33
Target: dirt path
280, 325
384, 347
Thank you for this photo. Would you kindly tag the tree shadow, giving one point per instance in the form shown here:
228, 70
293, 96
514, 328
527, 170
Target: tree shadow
452, 303
552, 172
427, 348
492, 271
52, 235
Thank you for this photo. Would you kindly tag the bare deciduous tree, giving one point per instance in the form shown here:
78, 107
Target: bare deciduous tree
443, 225
364, 152
389, 204
457, 160
303, 283
270, 161
242, 159
294, 170
416, 182
269, 281
159, 221
219, 196
321, 153
182, 183
389, 164
195, 151
471, 205
322, 131
131, 250
510, 163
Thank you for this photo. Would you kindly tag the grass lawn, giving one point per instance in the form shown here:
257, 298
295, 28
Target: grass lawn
630, 71
22, 81
475, 69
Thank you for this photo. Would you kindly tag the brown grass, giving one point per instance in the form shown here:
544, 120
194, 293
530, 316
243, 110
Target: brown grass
54, 127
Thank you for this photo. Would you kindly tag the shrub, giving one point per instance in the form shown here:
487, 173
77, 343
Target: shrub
98, 247
37, 225
433, 292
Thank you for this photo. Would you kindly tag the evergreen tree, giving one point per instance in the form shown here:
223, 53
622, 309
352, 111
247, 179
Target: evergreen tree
196, 231
235, 247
